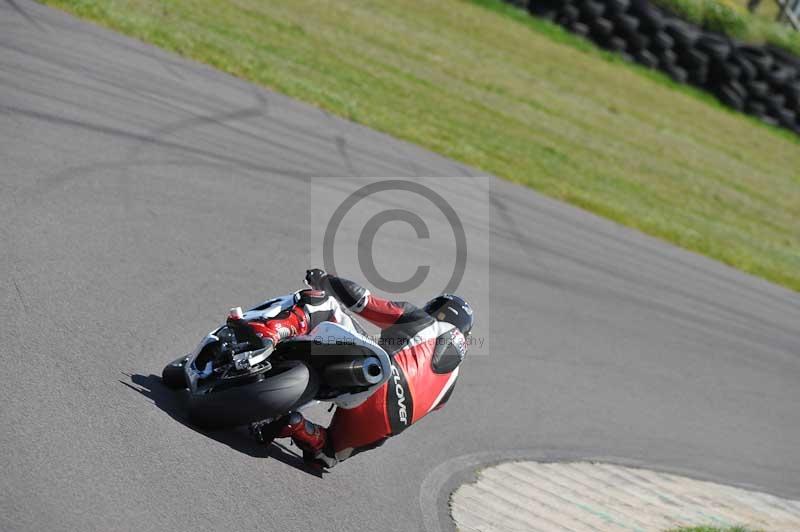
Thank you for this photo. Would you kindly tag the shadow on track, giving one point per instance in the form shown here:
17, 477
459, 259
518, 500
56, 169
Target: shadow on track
173, 403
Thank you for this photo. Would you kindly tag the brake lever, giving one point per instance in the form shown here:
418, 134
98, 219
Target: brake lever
248, 359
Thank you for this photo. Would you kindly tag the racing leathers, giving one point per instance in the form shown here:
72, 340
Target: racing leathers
425, 355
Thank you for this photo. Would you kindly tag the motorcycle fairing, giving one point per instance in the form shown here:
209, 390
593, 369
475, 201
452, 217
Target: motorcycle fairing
327, 332
192, 373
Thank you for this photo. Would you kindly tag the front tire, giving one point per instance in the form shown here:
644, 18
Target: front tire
173, 375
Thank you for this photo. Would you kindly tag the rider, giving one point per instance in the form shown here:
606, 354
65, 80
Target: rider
426, 346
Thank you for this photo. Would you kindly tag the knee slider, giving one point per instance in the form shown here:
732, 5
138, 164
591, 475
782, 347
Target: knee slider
295, 418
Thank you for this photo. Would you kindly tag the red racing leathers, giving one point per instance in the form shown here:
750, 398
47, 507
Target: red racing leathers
425, 357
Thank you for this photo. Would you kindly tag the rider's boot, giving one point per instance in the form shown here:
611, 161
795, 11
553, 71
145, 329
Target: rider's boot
306, 435
309, 437
267, 430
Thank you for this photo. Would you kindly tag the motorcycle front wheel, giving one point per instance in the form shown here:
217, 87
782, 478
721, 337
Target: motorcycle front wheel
173, 375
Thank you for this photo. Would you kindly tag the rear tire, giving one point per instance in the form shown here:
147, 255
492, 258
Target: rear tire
287, 385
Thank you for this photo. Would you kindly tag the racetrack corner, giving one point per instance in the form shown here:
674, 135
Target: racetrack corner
527, 495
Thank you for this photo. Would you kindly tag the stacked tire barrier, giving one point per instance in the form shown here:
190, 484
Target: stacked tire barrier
760, 80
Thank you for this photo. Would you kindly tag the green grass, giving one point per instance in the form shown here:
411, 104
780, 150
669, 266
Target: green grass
732, 18
711, 529
485, 84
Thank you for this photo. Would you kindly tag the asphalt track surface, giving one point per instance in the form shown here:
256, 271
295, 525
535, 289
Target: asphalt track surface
125, 176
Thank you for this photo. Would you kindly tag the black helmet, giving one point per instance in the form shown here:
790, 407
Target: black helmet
451, 309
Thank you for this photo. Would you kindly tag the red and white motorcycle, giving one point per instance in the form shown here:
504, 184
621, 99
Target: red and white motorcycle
233, 382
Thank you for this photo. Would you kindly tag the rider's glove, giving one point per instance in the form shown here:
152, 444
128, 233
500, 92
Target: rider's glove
315, 278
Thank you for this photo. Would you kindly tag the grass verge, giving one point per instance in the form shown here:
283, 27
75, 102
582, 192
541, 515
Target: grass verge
483, 83
732, 18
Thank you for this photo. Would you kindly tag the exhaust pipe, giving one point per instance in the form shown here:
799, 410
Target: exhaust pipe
354, 373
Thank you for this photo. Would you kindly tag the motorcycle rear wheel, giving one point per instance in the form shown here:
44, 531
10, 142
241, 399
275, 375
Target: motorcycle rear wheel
287, 385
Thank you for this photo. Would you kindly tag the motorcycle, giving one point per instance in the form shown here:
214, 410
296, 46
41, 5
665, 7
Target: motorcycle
233, 380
